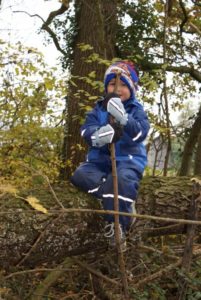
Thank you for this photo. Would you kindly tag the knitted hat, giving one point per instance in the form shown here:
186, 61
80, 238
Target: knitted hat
129, 75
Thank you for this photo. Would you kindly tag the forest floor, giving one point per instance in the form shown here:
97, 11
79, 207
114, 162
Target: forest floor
157, 266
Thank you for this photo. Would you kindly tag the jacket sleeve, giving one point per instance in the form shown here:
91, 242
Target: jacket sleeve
137, 126
90, 126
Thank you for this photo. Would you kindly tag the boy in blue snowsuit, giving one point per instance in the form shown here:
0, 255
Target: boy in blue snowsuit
129, 130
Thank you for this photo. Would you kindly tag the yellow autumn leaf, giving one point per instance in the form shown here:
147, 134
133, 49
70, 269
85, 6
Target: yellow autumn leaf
34, 202
8, 189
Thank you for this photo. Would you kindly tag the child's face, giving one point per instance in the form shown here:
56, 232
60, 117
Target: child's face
122, 90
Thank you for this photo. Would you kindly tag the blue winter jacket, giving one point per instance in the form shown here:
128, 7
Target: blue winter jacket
130, 147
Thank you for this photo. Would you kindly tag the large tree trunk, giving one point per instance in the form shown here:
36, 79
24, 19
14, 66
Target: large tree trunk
30, 238
190, 146
96, 21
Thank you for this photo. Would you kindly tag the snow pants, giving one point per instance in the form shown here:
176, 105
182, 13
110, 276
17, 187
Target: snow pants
96, 179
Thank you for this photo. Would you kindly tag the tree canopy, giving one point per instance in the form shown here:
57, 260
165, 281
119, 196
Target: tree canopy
31, 114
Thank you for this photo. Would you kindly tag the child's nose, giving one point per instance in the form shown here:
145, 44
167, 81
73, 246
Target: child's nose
118, 88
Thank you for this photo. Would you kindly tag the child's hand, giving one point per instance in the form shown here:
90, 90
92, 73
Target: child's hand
102, 136
107, 98
118, 131
108, 134
115, 107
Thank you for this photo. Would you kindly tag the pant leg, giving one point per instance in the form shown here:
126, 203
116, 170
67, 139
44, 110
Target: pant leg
128, 184
89, 177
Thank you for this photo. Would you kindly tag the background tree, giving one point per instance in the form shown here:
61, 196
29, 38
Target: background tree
189, 148
30, 113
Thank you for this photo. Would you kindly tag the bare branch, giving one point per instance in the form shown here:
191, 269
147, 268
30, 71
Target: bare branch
54, 37
93, 271
185, 19
163, 271
50, 18
41, 235
195, 28
104, 212
30, 15
46, 23
148, 66
56, 13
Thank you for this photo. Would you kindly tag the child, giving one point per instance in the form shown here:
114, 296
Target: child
128, 130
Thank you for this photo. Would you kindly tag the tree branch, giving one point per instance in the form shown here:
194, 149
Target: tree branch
148, 66
185, 19
50, 18
163, 271
95, 272
46, 23
30, 15
56, 13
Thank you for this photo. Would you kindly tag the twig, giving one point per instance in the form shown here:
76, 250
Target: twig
37, 241
186, 19
51, 278
116, 206
154, 250
52, 15
18, 273
46, 24
166, 230
106, 212
61, 268
48, 182
157, 274
52, 191
96, 273
162, 271
30, 15
195, 28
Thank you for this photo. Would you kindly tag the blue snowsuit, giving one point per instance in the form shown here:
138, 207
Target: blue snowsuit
95, 175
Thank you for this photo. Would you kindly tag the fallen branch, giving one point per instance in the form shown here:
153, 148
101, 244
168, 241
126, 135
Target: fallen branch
94, 272
108, 212
45, 177
163, 271
37, 270
41, 235
51, 278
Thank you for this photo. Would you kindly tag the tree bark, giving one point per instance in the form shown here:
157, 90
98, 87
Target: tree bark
92, 18
197, 164
30, 238
190, 146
